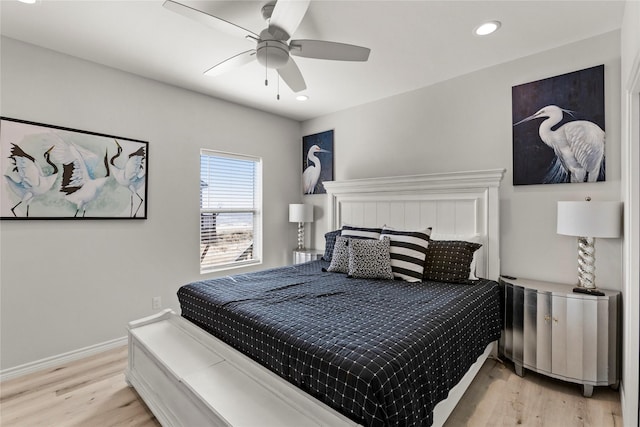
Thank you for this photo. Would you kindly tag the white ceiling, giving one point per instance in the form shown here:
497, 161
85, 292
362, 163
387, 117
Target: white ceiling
413, 43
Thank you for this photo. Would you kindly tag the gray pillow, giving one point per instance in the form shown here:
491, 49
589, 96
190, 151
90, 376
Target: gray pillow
340, 259
370, 259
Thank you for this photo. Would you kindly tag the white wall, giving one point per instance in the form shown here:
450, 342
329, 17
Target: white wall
465, 124
71, 284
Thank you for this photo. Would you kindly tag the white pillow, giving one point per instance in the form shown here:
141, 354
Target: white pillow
475, 238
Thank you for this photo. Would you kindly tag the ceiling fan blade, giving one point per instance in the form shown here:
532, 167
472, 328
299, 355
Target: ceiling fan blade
286, 18
328, 50
234, 62
292, 76
209, 20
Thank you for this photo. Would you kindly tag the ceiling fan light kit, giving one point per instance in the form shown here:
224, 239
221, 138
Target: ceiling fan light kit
272, 49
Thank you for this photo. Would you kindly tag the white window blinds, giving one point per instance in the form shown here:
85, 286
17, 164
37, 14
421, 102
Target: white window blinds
230, 210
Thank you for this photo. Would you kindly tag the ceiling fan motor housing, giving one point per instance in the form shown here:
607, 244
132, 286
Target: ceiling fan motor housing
271, 53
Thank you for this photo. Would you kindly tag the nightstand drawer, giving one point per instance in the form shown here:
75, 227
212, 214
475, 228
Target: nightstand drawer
306, 255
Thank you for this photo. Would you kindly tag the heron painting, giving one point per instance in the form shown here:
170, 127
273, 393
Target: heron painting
558, 129
317, 162
51, 172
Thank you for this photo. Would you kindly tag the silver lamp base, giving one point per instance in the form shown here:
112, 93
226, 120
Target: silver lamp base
300, 235
586, 262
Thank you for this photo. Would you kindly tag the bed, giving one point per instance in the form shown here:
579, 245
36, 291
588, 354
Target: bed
299, 345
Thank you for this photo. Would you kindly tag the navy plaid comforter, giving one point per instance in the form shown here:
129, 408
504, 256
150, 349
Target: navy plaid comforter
381, 352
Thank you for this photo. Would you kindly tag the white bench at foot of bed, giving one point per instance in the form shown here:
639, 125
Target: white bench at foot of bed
188, 377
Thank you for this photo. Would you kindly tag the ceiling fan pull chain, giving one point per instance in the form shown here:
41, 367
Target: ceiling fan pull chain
266, 67
278, 95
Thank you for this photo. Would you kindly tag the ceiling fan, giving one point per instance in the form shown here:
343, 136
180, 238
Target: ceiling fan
273, 45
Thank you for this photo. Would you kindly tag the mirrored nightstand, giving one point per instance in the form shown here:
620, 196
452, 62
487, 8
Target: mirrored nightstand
554, 331
306, 255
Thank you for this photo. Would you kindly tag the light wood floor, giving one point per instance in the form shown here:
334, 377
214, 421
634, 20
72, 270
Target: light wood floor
92, 392
498, 397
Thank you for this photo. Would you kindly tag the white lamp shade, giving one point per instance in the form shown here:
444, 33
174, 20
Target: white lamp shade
300, 213
590, 219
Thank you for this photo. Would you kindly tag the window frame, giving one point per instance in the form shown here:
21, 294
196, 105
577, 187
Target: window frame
256, 210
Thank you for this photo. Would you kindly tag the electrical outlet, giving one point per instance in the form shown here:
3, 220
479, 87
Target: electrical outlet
156, 303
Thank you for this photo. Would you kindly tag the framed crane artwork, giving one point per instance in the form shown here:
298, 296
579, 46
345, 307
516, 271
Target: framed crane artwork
317, 162
52, 172
558, 129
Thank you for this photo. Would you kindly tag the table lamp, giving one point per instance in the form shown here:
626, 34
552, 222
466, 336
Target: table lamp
300, 213
589, 220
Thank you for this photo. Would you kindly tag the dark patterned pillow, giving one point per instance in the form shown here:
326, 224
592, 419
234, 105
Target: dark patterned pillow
329, 244
361, 232
408, 252
475, 238
369, 259
449, 260
340, 259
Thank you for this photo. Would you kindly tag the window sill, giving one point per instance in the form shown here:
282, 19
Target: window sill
233, 266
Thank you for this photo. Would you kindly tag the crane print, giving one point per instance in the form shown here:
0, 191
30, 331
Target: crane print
30, 182
131, 175
55, 172
578, 145
558, 126
311, 174
317, 161
78, 185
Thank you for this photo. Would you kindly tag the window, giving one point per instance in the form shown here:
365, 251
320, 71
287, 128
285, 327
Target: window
230, 210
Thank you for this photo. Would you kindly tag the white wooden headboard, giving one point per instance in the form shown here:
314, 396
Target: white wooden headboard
462, 203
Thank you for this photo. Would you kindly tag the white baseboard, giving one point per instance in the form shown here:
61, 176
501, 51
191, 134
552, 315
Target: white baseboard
60, 359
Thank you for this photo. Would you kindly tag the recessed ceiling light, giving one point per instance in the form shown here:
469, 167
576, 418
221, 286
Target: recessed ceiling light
27, 1
487, 28
302, 97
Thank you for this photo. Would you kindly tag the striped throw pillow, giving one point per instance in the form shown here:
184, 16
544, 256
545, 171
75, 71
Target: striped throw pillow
360, 232
408, 251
